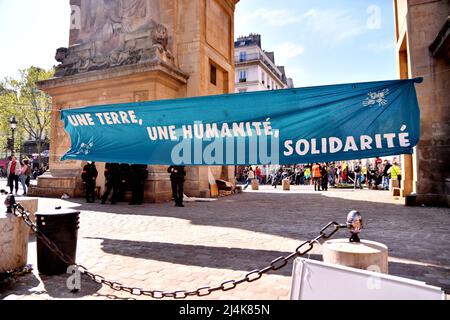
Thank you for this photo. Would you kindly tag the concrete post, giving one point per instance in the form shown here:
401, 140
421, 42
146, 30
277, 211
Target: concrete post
13, 242
367, 255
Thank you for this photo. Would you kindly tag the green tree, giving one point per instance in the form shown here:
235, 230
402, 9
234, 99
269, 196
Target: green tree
31, 107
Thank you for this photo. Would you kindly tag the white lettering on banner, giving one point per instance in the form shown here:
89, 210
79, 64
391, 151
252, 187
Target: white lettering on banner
403, 137
334, 144
261, 149
239, 142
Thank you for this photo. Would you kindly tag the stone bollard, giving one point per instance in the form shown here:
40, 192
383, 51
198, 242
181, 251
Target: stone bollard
396, 192
286, 184
393, 184
255, 184
30, 205
367, 255
13, 241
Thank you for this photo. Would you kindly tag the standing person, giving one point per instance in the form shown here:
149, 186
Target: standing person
177, 174
250, 177
138, 177
357, 175
364, 174
316, 176
89, 176
124, 181
324, 174
378, 164
297, 175
331, 172
337, 175
274, 176
13, 172
395, 173
24, 176
258, 174
307, 175
302, 176
386, 168
112, 178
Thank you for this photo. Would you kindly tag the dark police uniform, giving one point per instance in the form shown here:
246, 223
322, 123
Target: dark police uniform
89, 175
324, 173
112, 176
177, 174
125, 181
138, 177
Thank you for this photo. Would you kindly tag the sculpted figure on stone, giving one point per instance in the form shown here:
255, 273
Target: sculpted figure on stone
114, 33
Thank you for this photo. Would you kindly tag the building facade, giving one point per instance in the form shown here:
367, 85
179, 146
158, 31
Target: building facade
422, 33
255, 68
139, 50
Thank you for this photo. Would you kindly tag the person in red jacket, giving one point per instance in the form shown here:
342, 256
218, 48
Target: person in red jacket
13, 172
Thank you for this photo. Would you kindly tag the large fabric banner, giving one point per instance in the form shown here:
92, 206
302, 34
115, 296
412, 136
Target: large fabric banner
290, 126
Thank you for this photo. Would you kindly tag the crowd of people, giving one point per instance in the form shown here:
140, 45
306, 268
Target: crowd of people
374, 173
120, 178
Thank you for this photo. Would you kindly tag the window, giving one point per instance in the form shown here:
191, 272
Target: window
242, 75
213, 74
242, 56
263, 76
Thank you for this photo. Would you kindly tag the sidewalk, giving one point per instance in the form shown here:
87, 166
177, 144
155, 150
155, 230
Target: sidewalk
159, 246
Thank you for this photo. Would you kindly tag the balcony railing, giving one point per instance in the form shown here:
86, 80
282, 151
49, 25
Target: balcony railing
259, 57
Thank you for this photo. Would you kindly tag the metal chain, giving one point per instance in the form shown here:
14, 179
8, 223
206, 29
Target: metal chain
276, 264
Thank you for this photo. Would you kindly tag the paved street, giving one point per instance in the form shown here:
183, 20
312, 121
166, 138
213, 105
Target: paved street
158, 246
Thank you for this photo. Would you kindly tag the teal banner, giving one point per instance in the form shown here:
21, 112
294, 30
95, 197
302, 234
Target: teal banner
290, 126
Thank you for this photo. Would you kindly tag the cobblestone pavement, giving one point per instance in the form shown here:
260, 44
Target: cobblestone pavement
158, 246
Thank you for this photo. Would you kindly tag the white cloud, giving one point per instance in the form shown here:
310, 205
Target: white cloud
287, 51
333, 25
276, 18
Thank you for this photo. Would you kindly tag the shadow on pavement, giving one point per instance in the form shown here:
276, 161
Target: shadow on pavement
196, 255
419, 234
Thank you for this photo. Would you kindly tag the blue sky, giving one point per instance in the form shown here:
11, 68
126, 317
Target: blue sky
319, 41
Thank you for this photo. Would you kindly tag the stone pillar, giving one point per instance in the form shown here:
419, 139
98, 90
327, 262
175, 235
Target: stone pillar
158, 186
101, 67
13, 242
423, 41
407, 175
366, 255
31, 206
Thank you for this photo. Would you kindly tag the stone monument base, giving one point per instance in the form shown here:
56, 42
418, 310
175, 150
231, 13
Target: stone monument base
13, 242
367, 255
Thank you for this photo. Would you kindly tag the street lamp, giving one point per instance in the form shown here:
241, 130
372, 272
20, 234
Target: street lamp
13, 124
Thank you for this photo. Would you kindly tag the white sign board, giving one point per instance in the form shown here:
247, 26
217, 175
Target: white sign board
316, 280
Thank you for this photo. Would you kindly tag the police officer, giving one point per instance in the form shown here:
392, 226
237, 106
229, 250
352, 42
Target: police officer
112, 176
138, 176
89, 176
177, 174
124, 184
